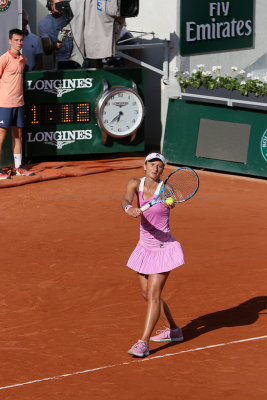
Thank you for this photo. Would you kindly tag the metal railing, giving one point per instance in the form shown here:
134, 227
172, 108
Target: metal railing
165, 45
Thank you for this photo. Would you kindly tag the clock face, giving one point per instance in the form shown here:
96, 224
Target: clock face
121, 112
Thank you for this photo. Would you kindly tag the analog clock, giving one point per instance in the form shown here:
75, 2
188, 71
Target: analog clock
120, 112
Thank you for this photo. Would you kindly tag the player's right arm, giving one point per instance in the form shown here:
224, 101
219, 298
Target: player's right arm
131, 190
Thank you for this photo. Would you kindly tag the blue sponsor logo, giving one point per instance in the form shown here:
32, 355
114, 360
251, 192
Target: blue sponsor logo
99, 4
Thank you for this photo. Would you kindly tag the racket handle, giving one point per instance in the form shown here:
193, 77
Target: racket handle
145, 207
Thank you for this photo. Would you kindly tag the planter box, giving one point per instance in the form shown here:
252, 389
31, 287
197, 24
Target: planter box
249, 101
225, 97
205, 95
217, 92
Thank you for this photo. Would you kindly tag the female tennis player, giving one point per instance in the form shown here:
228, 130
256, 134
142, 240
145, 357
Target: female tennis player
156, 253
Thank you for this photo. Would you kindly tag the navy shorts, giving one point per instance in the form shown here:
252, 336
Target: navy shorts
13, 116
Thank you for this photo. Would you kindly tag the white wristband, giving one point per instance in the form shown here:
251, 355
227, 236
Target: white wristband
127, 208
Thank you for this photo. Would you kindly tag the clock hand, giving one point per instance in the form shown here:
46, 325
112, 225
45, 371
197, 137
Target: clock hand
119, 116
114, 119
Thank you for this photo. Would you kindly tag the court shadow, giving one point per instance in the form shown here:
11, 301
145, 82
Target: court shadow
245, 313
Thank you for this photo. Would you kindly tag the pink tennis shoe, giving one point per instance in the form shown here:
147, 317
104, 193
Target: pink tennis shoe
4, 175
168, 335
139, 349
22, 171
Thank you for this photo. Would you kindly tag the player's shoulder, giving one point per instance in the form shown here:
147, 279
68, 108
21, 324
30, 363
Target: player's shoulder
134, 182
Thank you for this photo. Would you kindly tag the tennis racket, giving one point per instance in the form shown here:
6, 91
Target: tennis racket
181, 185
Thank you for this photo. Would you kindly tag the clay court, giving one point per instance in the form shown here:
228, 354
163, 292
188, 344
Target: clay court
70, 309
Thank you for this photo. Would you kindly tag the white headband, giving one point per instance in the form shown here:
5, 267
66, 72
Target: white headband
153, 156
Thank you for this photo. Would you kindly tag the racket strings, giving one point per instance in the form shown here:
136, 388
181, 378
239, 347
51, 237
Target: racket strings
181, 185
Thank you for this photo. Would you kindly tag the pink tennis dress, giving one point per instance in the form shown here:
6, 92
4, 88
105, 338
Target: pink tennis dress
157, 251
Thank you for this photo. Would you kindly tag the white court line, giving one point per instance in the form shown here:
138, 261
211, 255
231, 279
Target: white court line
52, 378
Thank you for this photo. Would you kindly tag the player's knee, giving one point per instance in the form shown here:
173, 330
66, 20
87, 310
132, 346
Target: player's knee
153, 296
144, 294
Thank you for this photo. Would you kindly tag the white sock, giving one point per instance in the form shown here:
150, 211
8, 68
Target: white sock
17, 160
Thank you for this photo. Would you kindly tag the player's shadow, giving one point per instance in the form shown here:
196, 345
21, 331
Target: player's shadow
244, 314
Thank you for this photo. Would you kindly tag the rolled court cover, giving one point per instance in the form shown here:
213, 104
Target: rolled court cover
55, 170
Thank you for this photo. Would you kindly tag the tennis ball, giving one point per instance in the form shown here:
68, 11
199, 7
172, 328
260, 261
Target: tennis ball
169, 201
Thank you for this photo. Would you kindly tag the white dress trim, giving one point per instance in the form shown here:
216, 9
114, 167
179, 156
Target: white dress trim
142, 183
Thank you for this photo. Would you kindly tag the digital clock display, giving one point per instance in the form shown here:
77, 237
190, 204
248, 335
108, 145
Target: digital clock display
61, 113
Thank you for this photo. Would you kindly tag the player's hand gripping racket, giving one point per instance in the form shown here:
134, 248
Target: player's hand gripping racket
181, 185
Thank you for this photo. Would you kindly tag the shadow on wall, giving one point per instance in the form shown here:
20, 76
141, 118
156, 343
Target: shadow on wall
184, 61
152, 90
259, 67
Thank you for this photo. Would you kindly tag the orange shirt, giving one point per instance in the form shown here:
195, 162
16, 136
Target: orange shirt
11, 79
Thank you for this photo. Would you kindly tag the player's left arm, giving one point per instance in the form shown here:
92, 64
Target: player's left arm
131, 191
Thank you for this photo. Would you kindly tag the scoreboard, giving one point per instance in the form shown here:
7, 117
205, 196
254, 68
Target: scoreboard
61, 118
61, 113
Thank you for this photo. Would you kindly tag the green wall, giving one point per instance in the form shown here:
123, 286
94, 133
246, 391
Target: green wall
182, 130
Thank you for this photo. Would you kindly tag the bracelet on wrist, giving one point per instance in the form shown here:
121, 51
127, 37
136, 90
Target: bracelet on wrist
126, 209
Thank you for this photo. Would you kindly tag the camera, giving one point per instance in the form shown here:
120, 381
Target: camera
129, 8
63, 7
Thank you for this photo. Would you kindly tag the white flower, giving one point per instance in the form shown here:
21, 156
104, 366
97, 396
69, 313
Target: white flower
216, 68
240, 81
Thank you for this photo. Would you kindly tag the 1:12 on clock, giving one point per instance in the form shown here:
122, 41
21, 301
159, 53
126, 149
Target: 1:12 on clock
61, 113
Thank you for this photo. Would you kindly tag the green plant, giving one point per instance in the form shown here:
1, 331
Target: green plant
244, 83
